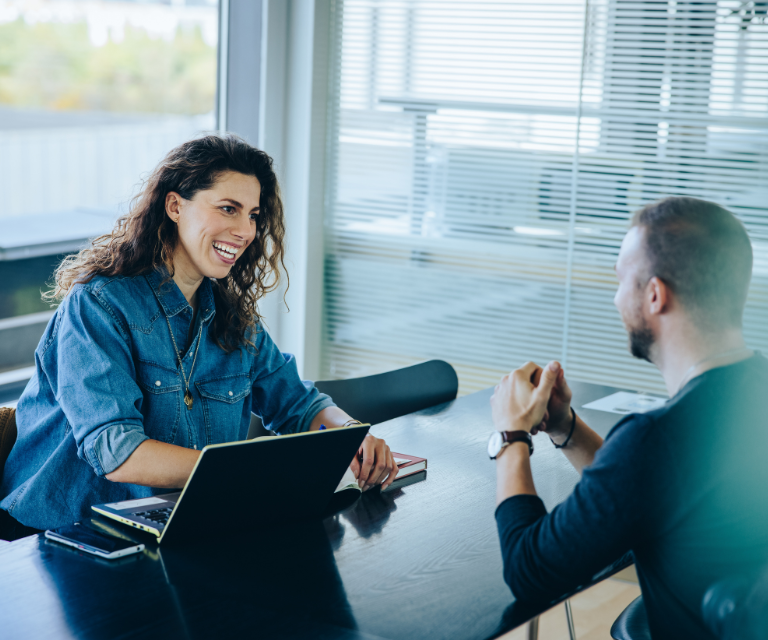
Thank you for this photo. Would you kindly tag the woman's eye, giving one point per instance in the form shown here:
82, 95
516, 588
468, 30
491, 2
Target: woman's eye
254, 216
228, 209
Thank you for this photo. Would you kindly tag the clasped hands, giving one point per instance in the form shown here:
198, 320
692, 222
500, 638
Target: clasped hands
533, 399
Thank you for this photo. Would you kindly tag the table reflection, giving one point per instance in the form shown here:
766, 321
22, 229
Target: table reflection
285, 579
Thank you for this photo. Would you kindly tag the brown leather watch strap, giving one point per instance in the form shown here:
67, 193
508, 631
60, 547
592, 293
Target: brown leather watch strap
518, 436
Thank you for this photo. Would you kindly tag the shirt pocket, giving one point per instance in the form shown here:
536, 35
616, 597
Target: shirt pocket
223, 400
161, 407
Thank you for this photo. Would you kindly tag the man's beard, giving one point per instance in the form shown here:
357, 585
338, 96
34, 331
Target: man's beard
641, 340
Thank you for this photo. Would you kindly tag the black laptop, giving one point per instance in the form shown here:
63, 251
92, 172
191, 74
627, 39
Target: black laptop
239, 486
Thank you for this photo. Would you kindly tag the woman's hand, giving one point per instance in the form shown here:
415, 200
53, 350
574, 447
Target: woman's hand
374, 464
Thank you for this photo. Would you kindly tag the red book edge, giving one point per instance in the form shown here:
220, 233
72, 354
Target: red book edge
412, 460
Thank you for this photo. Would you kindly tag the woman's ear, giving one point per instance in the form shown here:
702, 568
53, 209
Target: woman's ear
173, 206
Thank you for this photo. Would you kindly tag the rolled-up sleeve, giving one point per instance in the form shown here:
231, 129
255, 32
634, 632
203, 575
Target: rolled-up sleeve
93, 377
285, 402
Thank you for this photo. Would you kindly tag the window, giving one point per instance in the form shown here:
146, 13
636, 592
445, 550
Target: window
92, 95
485, 158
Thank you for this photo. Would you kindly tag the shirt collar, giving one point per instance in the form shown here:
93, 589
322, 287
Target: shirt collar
173, 301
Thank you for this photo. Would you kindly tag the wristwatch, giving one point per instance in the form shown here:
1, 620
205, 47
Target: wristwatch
500, 439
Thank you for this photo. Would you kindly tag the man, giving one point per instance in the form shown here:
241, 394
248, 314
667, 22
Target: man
684, 487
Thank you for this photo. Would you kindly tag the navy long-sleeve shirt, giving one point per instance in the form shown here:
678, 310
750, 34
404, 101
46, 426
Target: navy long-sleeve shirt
685, 487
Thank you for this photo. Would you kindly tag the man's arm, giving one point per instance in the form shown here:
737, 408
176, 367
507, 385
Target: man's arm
546, 555
559, 417
517, 402
513, 472
582, 446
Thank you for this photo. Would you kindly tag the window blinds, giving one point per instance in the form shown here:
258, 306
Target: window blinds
484, 159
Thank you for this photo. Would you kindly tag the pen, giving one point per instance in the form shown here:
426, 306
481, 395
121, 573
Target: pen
322, 427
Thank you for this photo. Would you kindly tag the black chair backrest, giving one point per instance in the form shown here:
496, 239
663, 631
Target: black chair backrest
737, 608
632, 624
385, 396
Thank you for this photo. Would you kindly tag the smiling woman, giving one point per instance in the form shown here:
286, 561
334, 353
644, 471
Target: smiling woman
194, 197
157, 350
214, 229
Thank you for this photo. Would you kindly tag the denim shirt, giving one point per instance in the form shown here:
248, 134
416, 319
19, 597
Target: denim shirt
107, 378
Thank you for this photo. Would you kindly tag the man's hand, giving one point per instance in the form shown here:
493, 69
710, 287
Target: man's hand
520, 400
557, 419
374, 464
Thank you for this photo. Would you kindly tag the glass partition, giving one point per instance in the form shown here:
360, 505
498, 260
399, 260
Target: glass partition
92, 95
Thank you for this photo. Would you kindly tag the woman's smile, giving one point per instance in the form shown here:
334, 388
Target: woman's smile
226, 251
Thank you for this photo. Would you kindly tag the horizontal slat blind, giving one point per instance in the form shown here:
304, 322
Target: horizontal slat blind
680, 94
484, 159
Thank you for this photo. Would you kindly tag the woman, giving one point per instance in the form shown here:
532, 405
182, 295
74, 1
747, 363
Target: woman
156, 348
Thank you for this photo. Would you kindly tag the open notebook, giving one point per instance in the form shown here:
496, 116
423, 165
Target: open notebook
407, 466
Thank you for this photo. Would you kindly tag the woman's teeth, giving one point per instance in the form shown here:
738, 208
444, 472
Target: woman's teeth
224, 251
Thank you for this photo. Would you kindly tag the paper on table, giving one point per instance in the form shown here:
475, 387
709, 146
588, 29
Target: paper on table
624, 402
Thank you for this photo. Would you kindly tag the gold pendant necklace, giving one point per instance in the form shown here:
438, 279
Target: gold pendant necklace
188, 400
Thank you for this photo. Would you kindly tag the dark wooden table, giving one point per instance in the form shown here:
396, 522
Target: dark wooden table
418, 562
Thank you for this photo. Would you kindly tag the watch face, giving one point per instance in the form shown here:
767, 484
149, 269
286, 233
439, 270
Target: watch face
494, 444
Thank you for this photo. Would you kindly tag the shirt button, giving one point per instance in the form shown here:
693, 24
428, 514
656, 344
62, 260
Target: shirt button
157, 383
230, 393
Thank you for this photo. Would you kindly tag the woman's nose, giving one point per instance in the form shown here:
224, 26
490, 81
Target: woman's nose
244, 228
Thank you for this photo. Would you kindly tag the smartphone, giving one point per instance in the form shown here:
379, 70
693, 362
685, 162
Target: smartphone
81, 537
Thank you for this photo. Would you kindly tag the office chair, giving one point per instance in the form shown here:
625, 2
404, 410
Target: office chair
389, 395
734, 609
632, 624
385, 396
737, 608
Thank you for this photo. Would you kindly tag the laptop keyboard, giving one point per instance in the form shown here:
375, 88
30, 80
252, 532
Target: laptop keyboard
158, 516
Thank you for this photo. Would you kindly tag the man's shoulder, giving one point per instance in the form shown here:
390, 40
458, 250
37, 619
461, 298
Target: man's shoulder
731, 390
720, 396
636, 425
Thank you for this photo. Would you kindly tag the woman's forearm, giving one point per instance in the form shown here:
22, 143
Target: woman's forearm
331, 417
157, 464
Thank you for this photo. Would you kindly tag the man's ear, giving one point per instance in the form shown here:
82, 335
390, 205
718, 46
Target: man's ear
658, 296
173, 205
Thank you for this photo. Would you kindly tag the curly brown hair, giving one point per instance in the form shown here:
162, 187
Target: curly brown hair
145, 238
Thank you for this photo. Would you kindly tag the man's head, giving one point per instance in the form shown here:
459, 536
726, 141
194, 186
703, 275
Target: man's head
684, 254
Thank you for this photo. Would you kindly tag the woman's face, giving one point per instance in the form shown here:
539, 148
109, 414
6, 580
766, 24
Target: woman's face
215, 226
